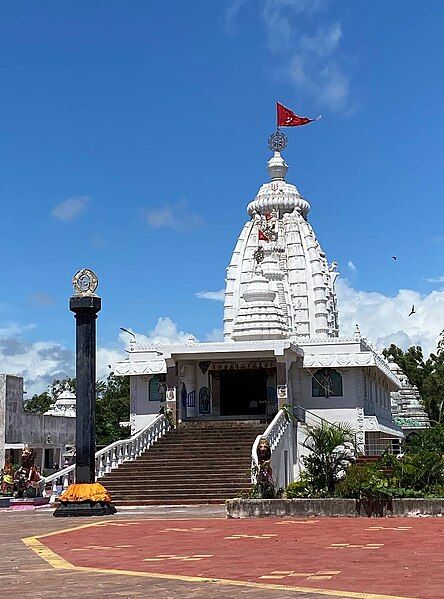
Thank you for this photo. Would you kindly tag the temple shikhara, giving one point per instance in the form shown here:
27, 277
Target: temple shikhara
282, 344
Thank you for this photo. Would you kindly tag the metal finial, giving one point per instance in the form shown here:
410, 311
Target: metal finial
277, 141
85, 282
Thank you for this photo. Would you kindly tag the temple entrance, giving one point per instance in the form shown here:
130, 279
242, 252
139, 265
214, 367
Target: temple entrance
243, 392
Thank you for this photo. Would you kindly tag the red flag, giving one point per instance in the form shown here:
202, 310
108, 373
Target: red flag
262, 236
287, 118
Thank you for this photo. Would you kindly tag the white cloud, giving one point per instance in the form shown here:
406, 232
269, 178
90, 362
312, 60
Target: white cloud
308, 49
38, 363
215, 335
212, 295
384, 319
176, 216
9, 329
70, 209
435, 279
40, 298
351, 265
231, 14
106, 361
165, 332
41, 362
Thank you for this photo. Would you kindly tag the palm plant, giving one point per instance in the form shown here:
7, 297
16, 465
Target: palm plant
332, 447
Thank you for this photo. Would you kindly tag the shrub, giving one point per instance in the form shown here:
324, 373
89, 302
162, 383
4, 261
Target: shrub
297, 489
431, 439
331, 449
363, 481
420, 471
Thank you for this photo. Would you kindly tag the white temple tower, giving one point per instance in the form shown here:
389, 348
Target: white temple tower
281, 341
278, 245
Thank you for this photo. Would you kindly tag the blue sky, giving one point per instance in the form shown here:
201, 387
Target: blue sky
134, 134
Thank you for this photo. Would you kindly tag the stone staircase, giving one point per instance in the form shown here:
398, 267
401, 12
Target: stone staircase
200, 462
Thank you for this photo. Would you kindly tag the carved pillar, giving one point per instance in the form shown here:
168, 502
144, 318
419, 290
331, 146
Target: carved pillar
171, 395
281, 381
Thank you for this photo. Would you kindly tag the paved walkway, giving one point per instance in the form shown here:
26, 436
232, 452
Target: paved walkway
196, 552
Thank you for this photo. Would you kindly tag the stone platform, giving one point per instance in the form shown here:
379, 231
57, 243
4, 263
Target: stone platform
351, 508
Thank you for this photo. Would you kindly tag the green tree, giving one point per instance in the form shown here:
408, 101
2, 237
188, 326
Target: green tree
431, 439
332, 447
112, 407
39, 404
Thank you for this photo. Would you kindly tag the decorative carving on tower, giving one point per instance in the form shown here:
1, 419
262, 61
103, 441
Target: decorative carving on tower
280, 246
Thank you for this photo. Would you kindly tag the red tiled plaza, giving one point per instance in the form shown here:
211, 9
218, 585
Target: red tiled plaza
362, 558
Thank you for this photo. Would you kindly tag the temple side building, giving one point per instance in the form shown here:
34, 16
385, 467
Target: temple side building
281, 336
49, 434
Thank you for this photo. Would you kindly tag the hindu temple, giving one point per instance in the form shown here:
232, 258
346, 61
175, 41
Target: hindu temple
282, 344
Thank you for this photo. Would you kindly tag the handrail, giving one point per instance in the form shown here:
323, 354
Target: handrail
111, 456
266, 435
273, 433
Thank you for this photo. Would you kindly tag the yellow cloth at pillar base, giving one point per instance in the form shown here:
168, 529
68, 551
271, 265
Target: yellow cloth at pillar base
86, 492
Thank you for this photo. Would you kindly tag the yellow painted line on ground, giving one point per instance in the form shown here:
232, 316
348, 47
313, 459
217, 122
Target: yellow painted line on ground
259, 585
58, 562
47, 554
63, 530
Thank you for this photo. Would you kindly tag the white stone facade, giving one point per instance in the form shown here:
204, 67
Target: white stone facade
280, 330
303, 304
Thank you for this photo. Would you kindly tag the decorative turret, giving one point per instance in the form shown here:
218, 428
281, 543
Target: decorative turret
279, 243
65, 405
259, 317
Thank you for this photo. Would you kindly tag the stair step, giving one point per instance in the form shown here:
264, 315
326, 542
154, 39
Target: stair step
186, 485
197, 463
166, 497
141, 502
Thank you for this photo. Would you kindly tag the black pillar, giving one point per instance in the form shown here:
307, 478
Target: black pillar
85, 309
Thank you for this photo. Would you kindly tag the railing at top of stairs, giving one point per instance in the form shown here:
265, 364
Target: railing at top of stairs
309, 418
273, 433
110, 457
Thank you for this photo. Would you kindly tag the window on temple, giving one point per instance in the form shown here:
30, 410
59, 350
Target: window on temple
157, 388
326, 382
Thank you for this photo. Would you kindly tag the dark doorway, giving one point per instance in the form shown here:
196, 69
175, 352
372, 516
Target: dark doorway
243, 392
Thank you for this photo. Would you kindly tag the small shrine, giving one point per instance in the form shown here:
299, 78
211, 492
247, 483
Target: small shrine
65, 405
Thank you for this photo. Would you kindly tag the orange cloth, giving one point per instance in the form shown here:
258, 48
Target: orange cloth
86, 492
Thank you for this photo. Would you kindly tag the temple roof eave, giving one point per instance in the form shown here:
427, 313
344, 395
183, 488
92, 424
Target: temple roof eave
376, 424
150, 360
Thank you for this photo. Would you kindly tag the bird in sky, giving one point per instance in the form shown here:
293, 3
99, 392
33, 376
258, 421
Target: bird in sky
394, 258
412, 311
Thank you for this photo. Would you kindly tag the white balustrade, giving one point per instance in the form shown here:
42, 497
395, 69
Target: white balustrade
279, 434
109, 458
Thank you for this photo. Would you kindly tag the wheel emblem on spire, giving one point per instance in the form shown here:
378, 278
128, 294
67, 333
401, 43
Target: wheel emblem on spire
277, 141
